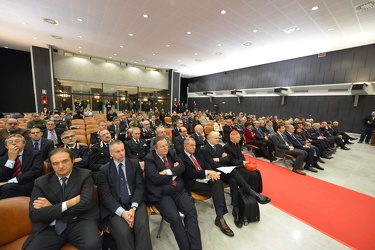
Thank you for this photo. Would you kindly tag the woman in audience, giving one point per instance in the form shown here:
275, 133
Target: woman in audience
46, 113
250, 138
217, 126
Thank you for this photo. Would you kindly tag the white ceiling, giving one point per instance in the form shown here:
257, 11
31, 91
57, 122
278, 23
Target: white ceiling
107, 24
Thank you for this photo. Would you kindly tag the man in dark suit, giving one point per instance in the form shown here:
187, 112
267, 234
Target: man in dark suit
38, 143
147, 133
284, 146
227, 129
213, 153
262, 137
153, 122
179, 140
176, 130
100, 153
199, 136
11, 127
165, 189
65, 118
94, 136
63, 208
117, 130
121, 202
19, 168
53, 133
136, 148
196, 168
81, 152
312, 156
368, 128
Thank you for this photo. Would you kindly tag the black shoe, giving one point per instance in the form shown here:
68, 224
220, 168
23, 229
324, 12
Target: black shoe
360, 141
311, 169
348, 142
320, 160
222, 224
262, 199
345, 148
353, 138
326, 156
273, 159
238, 221
318, 167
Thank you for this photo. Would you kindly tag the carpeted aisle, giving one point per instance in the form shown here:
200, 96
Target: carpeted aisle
343, 214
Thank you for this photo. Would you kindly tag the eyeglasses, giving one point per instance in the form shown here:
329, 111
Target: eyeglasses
34, 133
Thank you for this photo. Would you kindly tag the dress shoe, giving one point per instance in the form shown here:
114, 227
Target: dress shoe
318, 167
326, 156
320, 160
345, 148
273, 159
309, 168
348, 142
353, 138
224, 227
262, 199
298, 171
238, 221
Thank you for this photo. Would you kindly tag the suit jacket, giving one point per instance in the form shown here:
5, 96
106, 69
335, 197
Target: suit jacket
45, 147
294, 140
179, 144
94, 138
32, 167
154, 126
259, 133
208, 153
49, 187
280, 145
136, 151
226, 133
81, 151
191, 173
58, 132
199, 142
109, 190
24, 132
147, 134
175, 132
122, 131
234, 153
155, 182
365, 120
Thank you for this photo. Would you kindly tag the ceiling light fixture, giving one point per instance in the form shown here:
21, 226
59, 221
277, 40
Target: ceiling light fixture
330, 29
168, 45
218, 53
79, 51
110, 57
219, 44
145, 16
247, 44
189, 33
56, 37
121, 46
255, 31
79, 19
130, 34
80, 47
153, 54
365, 6
24, 23
51, 21
115, 54
223, 12
290, 30
198, 60
35, 38
79, 36
315, 8
196, 54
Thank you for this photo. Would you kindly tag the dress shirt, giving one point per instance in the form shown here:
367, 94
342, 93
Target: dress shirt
283, 139
10, 164
191, 155
167, 171
64, 207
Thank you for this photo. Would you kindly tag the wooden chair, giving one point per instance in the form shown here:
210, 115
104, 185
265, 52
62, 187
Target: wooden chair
82, 139
109, 123
77, 122
79, 131
88, 139
92, 125
289, 157
46, 167
2, 126
208, 129
168, 121
89, 131
91, 122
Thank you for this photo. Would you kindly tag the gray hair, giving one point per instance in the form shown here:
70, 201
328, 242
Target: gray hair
15, 135
110, 145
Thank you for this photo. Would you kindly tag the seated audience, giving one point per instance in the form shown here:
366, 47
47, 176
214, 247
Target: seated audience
100, 153
199, 136
179, 140
136, 148
160, 131
11, 127
117, 129
53, 133
81, 152
36, 122
95, 136
42, 145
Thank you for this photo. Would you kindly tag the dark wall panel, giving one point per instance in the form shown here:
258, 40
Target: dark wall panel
17, 93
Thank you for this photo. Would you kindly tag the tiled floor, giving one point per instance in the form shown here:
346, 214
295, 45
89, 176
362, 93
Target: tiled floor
354, 169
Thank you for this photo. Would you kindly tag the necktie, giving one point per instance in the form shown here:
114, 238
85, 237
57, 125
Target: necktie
36, 146
295, 138
196, 163
214, 147
168, 166
282, 136
117, 131
17, 169
53, 137
125, 198
60, 225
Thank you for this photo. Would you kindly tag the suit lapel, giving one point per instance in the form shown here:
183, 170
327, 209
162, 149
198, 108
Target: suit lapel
55, 187
129, 174
26, 157
73, 179
113, 175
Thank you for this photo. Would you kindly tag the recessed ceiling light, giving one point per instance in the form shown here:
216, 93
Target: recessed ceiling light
189, 33
115, 54
218, 53
255, 31
166, 65
290, 30
315, 8
79, 19
135, 62
130, 34
51, 21
143, 60
365, 6
24, 23
56, 37
121, 46
168, 45
79, 36
219, 44
6, 47
330, 29
35, 38
178, 60
247, 44
110, 57
80, 47
223, 12
145, 16
153, 54
196, 54
79, 51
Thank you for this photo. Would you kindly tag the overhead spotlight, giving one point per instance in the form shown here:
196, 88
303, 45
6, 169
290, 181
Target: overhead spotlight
235, 92
208, 93
281, 91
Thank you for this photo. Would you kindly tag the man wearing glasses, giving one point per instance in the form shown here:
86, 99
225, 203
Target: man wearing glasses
19, 168
81, 152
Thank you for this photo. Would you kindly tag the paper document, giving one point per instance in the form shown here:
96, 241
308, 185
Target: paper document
226, 170
202, 180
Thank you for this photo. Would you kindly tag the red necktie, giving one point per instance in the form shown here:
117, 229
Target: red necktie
168, 166
196, 164
17, 171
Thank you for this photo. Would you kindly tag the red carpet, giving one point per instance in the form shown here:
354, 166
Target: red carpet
345, 215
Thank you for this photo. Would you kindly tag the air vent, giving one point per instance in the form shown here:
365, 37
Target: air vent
365, 6
291, 30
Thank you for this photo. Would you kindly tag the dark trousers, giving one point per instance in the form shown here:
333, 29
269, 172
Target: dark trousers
138, 238
83, 234
252, 178
14, 189
214, 188
366, 134
300, 156
174, 200
310, 156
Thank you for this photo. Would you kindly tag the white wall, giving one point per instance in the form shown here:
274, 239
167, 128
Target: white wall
79, 69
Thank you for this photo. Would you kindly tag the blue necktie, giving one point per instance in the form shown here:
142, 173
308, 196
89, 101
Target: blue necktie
125, 198
296, 140
60, 225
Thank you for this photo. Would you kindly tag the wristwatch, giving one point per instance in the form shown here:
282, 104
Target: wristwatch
134, 208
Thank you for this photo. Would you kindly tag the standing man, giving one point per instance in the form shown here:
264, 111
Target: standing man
368, 127
43, 145
19, 168
121, 192
196, 168
63, 208
165, 189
